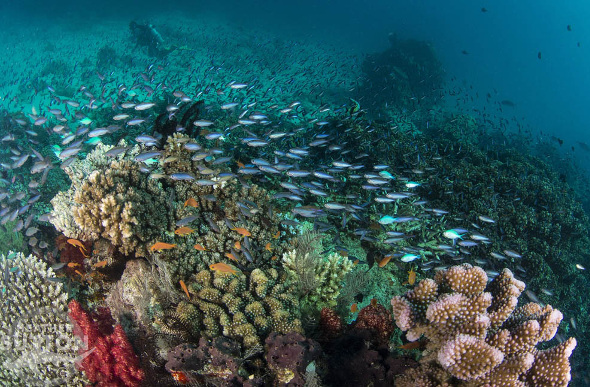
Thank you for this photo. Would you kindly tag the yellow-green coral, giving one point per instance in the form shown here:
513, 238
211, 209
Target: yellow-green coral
245, 307
326, 274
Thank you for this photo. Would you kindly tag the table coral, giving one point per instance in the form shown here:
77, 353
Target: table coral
476, 334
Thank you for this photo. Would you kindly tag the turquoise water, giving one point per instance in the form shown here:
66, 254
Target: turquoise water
410, 137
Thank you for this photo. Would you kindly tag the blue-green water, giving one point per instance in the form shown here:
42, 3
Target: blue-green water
410, 136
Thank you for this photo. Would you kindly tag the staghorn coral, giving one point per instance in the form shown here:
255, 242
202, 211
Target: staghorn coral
38, 346
475, 333
245, 307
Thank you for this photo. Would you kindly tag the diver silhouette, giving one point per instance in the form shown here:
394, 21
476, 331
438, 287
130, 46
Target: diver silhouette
146, 35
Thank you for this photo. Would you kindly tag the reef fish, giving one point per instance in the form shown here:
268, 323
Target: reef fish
159, 246
223, 268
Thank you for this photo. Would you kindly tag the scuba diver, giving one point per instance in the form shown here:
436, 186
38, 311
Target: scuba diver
147, 35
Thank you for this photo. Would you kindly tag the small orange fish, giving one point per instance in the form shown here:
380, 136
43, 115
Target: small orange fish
183, 286
277, 235
100, 264
412, 345
385, 260
80, 274
374, 301
238, 245
200, 247
411, 277
73, 264
183, 231
268, 247
223, 268
242, 231
354, 308
159, 246
240, 164
231, 256
191, 202
274, 258
77, 243
356, 262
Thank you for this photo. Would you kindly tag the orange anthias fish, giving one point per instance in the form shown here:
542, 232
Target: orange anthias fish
223, 268
191, 202
238, 245
240, 164
200, 247
277, 235
268, 247
100, 264
183, 286
159, 246
183, 231
385, 260
231, 256
354, 308
373, 301
242, 231
73, 264
77, 243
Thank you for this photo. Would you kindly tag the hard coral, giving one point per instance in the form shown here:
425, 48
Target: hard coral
215, 362
288, 357
330, 323
475, 333
110, 359
245, 307
37, 345
377, 320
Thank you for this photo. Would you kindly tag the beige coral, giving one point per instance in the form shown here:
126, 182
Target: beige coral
475, 334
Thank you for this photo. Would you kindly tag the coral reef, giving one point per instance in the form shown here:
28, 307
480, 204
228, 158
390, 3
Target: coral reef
37, 345
216, 362
377, 320
110, 359
289, 355
245, 307
477, 335
119, 204
330, 323
319, 279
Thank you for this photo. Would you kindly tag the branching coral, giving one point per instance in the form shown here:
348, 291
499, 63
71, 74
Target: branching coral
37, 346
476, 334
318, 279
